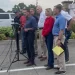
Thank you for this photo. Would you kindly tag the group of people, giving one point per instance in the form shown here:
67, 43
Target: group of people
51, 26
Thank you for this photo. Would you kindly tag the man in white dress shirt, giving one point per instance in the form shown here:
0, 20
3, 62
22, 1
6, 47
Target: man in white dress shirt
67, 32
40, 26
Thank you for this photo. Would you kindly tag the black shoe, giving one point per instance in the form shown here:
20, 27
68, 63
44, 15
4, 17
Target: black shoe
60, 72
27, 62
49, 68
67, 42
40, 57
30, 64
55, 58
56, 68
46, 65
43, 58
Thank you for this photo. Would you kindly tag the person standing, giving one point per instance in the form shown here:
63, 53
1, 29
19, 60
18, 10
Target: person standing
16, 28
47, 34
32, 12
40, 26
59, 37
22, 22
67, 32
30, 27
69, 21
17, 17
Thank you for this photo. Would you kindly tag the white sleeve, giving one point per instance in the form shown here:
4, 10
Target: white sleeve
41, 20
66, 16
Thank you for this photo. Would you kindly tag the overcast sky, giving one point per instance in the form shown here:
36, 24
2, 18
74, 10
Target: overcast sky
8, 4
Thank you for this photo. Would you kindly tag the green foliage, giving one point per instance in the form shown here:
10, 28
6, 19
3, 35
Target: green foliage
22, 6
1, 10
15, 8
73, 28
2, 37
7, 32
9, 11
18, 7
73, 35
11, 34
32, 6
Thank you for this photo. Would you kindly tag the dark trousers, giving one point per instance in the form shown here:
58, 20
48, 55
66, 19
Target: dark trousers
49, 43
23, 38
66, 51
67, 35
30, 36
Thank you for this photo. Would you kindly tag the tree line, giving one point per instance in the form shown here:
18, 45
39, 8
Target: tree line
19, 7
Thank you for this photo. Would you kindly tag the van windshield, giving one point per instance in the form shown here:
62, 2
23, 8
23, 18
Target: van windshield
12, 16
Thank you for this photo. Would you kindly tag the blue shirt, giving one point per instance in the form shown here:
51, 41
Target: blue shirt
59, 24
31, 23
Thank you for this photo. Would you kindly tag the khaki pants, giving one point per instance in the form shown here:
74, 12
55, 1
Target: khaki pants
61, 58
42, 42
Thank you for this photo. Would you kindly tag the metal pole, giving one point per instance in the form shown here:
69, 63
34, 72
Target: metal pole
36, 2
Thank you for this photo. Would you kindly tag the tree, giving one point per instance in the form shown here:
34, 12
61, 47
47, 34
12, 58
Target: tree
22, 6
9, 11
15, 8
32, 6
1, 10
19, 7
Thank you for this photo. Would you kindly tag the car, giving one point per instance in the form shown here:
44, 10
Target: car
6, 19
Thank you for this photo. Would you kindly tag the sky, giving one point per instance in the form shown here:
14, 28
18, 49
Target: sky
8, 4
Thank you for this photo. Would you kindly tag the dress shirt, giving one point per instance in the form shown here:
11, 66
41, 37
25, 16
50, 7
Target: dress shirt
22, 21
59, 24
31, 23
66, 16
48, 25
41, 20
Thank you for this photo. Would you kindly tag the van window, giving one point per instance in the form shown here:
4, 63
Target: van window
12, 16
4, 16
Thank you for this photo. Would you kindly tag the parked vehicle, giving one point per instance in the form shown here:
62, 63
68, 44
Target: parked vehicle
6, 19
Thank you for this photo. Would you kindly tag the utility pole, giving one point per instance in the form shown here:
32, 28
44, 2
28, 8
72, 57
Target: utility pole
36, 2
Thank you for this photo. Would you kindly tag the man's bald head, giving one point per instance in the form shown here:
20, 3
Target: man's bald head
39, 9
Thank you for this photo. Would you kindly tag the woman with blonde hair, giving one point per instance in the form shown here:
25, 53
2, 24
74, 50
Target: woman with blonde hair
47, 34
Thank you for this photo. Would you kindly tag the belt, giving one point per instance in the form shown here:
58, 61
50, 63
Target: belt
41, 28
58, 35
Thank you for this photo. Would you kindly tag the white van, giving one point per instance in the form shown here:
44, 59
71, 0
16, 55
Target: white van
6, 19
